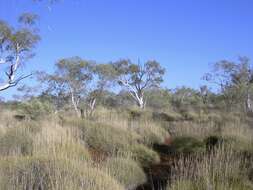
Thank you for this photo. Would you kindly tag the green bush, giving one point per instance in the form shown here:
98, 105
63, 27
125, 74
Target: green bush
187, 145
52, 174
144, 155
126, 171
213, 142
16, 141
35, 109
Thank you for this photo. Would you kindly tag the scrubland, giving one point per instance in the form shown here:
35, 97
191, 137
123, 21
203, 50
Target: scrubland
120, 148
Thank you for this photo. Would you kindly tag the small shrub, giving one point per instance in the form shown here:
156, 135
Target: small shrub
35, 109
212, 142
126, 171
144, 155
187, 145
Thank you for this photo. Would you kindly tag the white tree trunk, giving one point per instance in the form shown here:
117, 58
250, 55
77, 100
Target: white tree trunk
91, 105
141, 102
136, 93
75, 103
248, 103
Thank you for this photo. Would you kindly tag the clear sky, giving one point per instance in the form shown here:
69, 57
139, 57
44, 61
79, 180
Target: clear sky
185, 36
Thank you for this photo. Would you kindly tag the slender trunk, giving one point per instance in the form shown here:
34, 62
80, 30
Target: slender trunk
74, 103
248, 102
92, 106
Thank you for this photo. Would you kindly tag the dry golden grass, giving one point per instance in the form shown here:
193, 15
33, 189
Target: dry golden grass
56, 153
221, 170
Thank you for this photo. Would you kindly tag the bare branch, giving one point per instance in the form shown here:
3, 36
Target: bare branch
13, 83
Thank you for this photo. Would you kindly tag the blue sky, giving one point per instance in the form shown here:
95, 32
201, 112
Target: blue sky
185, 36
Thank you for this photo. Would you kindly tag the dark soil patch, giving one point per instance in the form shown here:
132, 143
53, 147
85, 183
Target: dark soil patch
158, 174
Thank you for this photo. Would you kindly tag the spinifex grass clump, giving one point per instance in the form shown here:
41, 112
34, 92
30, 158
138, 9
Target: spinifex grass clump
105, 138
221, 169
126, 171
52, 174
138, 122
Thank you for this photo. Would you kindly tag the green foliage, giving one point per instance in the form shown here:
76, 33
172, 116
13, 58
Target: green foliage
158, 98
126, 171
16, 142
144, 155
213, 142
235, 82
185, 96
16, 47
187, 145
35, 109
137, 78
28, 18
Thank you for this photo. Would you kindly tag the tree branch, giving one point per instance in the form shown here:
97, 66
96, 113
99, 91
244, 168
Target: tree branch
12, 83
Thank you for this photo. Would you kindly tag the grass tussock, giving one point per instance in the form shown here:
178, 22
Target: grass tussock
126, 171
52, 174
221, 169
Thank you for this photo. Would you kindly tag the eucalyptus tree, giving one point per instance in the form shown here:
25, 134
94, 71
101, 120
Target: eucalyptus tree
16, 48
103, 77
183, 96
235, 80
136, 78
70, 79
